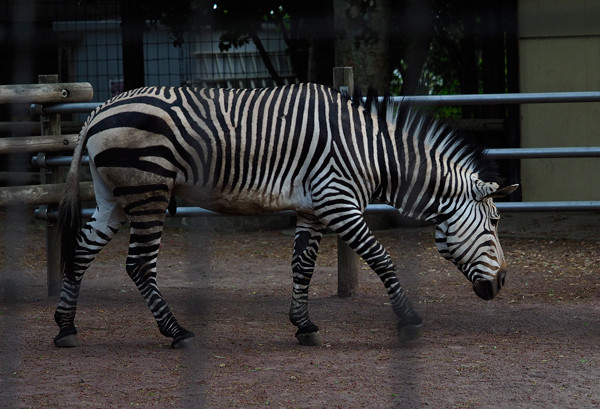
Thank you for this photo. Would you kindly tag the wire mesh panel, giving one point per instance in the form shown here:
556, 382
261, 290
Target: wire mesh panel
90, 49
241, 67
164, 63
95, 56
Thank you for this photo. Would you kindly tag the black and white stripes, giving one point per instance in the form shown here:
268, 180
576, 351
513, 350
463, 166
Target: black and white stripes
301, 147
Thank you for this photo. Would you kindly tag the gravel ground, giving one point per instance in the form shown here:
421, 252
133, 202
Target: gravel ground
535, 345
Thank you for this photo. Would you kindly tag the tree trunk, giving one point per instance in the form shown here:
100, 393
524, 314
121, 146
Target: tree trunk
362, 33
492, 55
418, 25
132, 34
468, 72
265, 58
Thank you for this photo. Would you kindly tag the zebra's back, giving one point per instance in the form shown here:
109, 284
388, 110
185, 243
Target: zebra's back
232, 151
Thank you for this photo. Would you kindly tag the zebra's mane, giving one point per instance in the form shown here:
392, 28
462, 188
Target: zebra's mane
405, 118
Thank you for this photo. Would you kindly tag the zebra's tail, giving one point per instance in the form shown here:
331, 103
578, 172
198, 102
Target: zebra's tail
69, 210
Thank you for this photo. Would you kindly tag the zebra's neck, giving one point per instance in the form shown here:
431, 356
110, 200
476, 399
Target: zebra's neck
424, 166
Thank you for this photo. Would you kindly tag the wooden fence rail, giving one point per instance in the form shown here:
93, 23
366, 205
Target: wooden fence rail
38, 195
46, 93
35, 144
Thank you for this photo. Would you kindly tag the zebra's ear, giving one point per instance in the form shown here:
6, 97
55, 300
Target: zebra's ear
481, 189
501, 192
488, 190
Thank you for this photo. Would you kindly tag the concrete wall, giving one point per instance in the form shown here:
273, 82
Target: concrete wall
559, 50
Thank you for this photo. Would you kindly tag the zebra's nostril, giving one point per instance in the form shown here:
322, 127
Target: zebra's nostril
501, 278
484, 288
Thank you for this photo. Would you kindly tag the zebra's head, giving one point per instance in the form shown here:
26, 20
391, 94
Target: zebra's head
468, 236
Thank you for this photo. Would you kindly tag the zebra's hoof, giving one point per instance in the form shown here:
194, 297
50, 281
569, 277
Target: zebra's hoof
310, 339
66, 341
185, 340
309, 335
67, 337
409, 332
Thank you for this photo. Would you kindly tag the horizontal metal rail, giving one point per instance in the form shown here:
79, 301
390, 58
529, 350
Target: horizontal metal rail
425, 100
345, 277
500, 99
467, 99
560, 206
537, 153
563, 206
509, 207
42, 161
70, 108
44, 213
504, 153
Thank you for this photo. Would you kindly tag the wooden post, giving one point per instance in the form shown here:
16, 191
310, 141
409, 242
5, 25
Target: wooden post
343, 79
348, 262
53, 269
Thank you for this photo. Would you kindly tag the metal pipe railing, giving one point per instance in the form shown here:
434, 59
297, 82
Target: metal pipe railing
71, 108
424, 100
343, 277
504, 153
499, 99
514, 207
538, 153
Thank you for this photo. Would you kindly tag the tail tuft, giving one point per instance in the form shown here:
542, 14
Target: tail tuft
69, 224
69, 209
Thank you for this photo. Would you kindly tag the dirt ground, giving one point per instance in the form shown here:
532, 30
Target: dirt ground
536, 345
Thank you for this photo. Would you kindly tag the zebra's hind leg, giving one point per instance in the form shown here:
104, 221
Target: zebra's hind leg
95, 234
146, 230
306, 246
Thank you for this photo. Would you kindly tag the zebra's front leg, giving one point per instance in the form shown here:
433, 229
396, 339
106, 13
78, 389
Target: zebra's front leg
355, 232
141, 267
306, 246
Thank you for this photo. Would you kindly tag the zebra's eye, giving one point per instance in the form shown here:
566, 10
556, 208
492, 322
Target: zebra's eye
494, 222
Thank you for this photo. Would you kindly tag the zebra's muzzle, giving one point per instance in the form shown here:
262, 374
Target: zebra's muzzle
487, 289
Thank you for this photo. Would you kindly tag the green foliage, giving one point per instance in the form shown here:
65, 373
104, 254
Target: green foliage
174, 14
450, 47
437, 46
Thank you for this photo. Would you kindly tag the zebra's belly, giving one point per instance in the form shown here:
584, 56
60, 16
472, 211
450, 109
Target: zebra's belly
245, 202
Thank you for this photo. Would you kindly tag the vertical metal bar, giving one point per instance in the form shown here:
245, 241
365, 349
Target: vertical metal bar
53, 269
343, 80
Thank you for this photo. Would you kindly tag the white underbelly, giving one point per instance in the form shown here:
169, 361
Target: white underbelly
246, 202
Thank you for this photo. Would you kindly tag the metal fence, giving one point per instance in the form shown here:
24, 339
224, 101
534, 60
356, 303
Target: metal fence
429, 100
347, 268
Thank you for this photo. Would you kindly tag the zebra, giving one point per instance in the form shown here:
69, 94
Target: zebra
304, 147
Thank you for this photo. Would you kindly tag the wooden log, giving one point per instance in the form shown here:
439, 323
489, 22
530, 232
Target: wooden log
40, 194
35, 144
46, 93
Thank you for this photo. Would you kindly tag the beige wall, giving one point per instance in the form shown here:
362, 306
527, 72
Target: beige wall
559, 50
